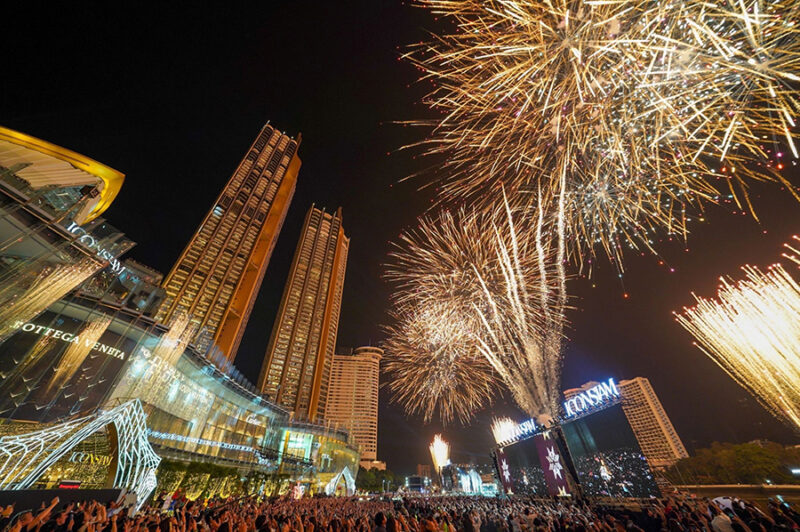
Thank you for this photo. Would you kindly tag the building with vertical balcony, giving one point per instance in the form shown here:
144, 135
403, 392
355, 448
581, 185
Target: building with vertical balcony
658, 439
216, 279
353, 398
297, 365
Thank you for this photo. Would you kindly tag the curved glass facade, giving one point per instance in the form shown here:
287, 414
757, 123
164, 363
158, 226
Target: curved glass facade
85, 353
78, 333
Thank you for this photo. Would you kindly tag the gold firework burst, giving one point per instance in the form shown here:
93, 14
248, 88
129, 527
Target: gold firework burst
478, 301
636, 112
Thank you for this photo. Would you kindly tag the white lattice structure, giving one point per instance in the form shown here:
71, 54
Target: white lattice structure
349, 482
25, 457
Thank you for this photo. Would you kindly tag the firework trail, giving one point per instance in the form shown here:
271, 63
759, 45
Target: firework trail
522, 332
752, 331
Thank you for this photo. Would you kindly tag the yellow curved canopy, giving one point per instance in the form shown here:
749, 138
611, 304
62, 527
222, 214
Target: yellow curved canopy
45, 154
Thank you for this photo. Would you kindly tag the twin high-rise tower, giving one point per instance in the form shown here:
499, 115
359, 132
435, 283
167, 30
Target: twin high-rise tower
297, 368
217, 277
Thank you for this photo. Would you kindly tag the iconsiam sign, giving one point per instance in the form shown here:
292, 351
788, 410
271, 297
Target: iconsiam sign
102, 252
506, 430
752, 331
592, 398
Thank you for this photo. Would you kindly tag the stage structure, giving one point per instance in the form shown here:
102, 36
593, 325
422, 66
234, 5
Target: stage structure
24, 458
590, 451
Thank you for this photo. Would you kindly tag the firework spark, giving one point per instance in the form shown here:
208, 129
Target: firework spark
504, 429
440, 452
752, 331
634, 112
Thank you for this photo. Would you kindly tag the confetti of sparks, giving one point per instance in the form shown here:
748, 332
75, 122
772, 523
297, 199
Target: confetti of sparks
752, 331
479, 302
440, 452
638, 112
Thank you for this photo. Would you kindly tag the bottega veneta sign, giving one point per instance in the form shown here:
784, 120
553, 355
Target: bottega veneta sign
58, 334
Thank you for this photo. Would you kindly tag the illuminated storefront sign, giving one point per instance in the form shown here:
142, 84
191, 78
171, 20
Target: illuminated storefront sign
78, 457
525, 428
510, 432
91, 242
149, 367
591, 398
58, 334
199, 441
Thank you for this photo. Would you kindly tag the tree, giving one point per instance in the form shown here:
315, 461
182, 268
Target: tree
374, 480
743, 463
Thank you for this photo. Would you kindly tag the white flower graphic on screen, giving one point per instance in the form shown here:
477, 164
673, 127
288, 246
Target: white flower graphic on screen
506, 472
555, 462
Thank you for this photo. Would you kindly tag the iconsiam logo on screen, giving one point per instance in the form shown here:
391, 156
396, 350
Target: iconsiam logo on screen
592, 398
525, 428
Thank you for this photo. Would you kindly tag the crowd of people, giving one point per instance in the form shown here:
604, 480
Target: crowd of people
174, 513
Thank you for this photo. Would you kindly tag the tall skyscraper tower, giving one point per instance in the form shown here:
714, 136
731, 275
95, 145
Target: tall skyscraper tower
353, 397
296, 369
217, 277
658, 439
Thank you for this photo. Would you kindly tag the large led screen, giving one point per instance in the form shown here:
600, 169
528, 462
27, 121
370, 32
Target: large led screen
607, 456
519, 469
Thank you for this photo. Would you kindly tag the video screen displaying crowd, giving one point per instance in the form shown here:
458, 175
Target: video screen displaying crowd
174, 513
616, 473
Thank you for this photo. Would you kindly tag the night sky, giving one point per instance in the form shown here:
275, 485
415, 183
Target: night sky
173, 98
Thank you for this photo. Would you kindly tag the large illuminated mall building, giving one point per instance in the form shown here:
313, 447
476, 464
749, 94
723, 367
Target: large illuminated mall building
106, 374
